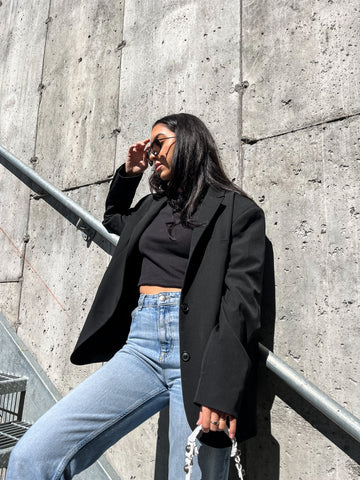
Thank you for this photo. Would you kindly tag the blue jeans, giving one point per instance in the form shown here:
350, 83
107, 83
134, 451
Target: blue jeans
140, 380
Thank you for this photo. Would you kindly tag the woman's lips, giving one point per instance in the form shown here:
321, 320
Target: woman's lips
158, 166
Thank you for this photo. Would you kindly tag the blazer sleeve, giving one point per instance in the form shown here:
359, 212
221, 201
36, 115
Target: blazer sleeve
117, 206
226, 362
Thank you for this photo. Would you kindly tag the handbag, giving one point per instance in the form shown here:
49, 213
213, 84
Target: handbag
191, 450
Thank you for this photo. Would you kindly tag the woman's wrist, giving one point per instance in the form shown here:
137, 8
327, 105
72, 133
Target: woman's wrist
128, 174
132, 174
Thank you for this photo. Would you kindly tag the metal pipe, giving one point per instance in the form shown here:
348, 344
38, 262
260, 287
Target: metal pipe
21, 170
307, 390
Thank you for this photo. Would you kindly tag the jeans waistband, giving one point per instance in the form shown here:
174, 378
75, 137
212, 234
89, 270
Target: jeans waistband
159, 299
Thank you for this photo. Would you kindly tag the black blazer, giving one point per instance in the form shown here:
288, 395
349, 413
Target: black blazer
219, 313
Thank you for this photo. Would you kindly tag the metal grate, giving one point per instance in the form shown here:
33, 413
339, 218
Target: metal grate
10, 433
11, 383
12, 395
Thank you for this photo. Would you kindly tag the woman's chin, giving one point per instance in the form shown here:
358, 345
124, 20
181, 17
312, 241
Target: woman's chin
165, 176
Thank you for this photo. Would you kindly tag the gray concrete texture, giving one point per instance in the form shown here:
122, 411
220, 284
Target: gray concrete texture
307, 182
22, 36
12, 233
10, 298
65, 283
94, 78
78, 114
300, 62
181, 56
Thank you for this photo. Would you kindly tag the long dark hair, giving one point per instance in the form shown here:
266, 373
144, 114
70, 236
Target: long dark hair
195, 166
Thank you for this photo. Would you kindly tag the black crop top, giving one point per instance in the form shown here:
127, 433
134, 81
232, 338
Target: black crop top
164, 251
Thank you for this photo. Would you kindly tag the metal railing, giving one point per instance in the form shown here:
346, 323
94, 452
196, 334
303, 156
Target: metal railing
95, 231
91, 228
310, 392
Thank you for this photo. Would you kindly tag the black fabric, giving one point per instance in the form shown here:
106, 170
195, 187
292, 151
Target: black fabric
219, 314
164, 249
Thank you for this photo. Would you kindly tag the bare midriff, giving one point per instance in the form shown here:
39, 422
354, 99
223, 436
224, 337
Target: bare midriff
154, 289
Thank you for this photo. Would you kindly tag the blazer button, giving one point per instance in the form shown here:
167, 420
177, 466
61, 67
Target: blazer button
185, 307
185, 356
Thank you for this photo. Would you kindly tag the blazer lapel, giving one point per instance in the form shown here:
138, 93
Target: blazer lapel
207, 210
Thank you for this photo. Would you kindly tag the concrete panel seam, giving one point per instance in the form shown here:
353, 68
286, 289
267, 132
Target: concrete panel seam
252, 141
240, 116
11, 281
121, 47
23, 257
38, 196
25, 261
41, 86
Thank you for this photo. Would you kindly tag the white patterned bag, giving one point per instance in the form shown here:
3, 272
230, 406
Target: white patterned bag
191, 450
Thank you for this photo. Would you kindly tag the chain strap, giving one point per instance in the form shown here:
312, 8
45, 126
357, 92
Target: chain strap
191, 450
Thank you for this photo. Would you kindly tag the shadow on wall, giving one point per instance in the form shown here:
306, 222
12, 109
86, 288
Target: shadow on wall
261, 456
262, 453
162, 446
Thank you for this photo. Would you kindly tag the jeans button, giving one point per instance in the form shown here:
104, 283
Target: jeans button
162, 298
185, 356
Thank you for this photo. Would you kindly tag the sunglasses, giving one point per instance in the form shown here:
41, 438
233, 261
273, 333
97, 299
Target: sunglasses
155, 148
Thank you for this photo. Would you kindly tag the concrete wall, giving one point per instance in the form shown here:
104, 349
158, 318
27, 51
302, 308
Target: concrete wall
277, 83
300, 121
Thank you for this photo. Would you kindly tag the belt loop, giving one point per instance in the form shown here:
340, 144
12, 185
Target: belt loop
141, 301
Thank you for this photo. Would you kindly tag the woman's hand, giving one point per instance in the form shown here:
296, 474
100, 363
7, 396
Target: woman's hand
214, 420
136, 160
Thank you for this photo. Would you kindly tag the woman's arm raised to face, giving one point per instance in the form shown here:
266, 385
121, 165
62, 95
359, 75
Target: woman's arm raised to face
136, 160
123, 187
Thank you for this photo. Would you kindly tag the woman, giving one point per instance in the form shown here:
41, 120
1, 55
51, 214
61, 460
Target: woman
175, 316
